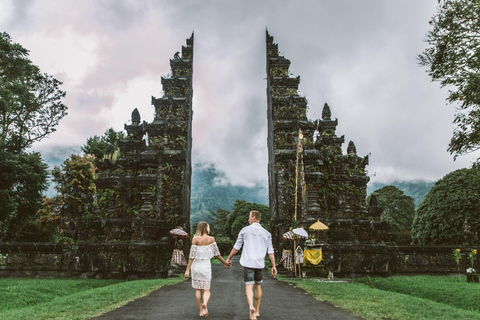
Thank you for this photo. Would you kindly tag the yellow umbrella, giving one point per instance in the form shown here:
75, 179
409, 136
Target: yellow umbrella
318, 226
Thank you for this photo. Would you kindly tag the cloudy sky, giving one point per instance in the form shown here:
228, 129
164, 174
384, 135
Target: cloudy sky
358, 56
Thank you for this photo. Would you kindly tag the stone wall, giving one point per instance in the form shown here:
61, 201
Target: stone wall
136, 260
102, 248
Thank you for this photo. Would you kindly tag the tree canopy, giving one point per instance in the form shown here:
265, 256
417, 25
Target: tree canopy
397, 208
30, 109
22, 182
453, 59
102, 146
30, 101
75, 183
451, 210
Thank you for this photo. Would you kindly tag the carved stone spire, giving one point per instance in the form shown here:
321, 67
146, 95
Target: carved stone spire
326, 113
136, 117
351, 149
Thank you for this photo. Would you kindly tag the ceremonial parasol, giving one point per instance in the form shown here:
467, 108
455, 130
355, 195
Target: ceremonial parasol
179, 233
300, 232
318, 226
289, 235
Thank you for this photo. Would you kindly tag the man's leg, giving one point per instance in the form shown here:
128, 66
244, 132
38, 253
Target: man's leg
258, 298
249, 293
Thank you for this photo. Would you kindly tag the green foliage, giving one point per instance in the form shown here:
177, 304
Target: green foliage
453, 201
75, 183
239, 217
417, 189
472, 256
30, 102
457, 256
105, 146
30, 109
397, 208
22, 182
218, 223
225, 244
453, 59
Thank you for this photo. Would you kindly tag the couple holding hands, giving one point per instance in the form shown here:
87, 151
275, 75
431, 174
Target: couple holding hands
256, 242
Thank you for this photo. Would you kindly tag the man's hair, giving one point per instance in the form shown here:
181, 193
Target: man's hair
256, 214
201, 229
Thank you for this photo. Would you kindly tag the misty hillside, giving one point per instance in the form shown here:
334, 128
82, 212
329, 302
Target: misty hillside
209, 193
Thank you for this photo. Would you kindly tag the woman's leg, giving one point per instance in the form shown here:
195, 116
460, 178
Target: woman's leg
206, 298
198, 298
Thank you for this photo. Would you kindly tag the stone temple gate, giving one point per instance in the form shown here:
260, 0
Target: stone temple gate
305, 159
144, 191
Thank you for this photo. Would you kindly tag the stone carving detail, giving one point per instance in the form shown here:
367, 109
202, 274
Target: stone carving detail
326, 113
351, 149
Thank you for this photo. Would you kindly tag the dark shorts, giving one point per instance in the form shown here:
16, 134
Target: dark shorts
251, 276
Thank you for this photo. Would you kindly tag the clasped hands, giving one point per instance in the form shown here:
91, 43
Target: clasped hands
227, 264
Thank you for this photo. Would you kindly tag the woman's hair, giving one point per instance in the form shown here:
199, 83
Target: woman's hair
202, 228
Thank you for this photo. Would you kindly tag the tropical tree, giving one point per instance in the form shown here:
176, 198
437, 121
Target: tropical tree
30, 101
103, 146
219, 222
23, 179
453, 59
450, 212
75, 183
398, 209
30, 109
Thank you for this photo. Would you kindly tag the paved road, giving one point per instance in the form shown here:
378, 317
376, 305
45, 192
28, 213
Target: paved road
177, 302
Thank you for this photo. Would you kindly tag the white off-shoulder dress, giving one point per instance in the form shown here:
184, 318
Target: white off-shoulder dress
201, 266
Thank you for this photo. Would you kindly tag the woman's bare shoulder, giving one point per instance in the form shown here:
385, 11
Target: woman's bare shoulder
196, 241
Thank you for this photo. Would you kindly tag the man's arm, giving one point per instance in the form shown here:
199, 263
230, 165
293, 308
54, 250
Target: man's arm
272, 260
236, 247
232, 253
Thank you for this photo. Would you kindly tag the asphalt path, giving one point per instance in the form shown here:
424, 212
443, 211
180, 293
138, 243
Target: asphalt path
280, 300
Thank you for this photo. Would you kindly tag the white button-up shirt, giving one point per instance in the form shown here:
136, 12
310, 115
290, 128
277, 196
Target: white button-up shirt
257, 242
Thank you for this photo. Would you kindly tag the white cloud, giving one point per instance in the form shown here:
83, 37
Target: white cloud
358, 56
67, 54
6, 11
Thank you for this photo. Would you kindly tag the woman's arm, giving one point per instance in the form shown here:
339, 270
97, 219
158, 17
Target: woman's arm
190, 260
225, 263
189, 265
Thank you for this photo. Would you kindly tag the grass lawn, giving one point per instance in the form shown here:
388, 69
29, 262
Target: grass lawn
69, 298
400, 297
397, 297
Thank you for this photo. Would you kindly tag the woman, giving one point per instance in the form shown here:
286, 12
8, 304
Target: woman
203, 249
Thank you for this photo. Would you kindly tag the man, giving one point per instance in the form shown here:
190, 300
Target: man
257, 242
